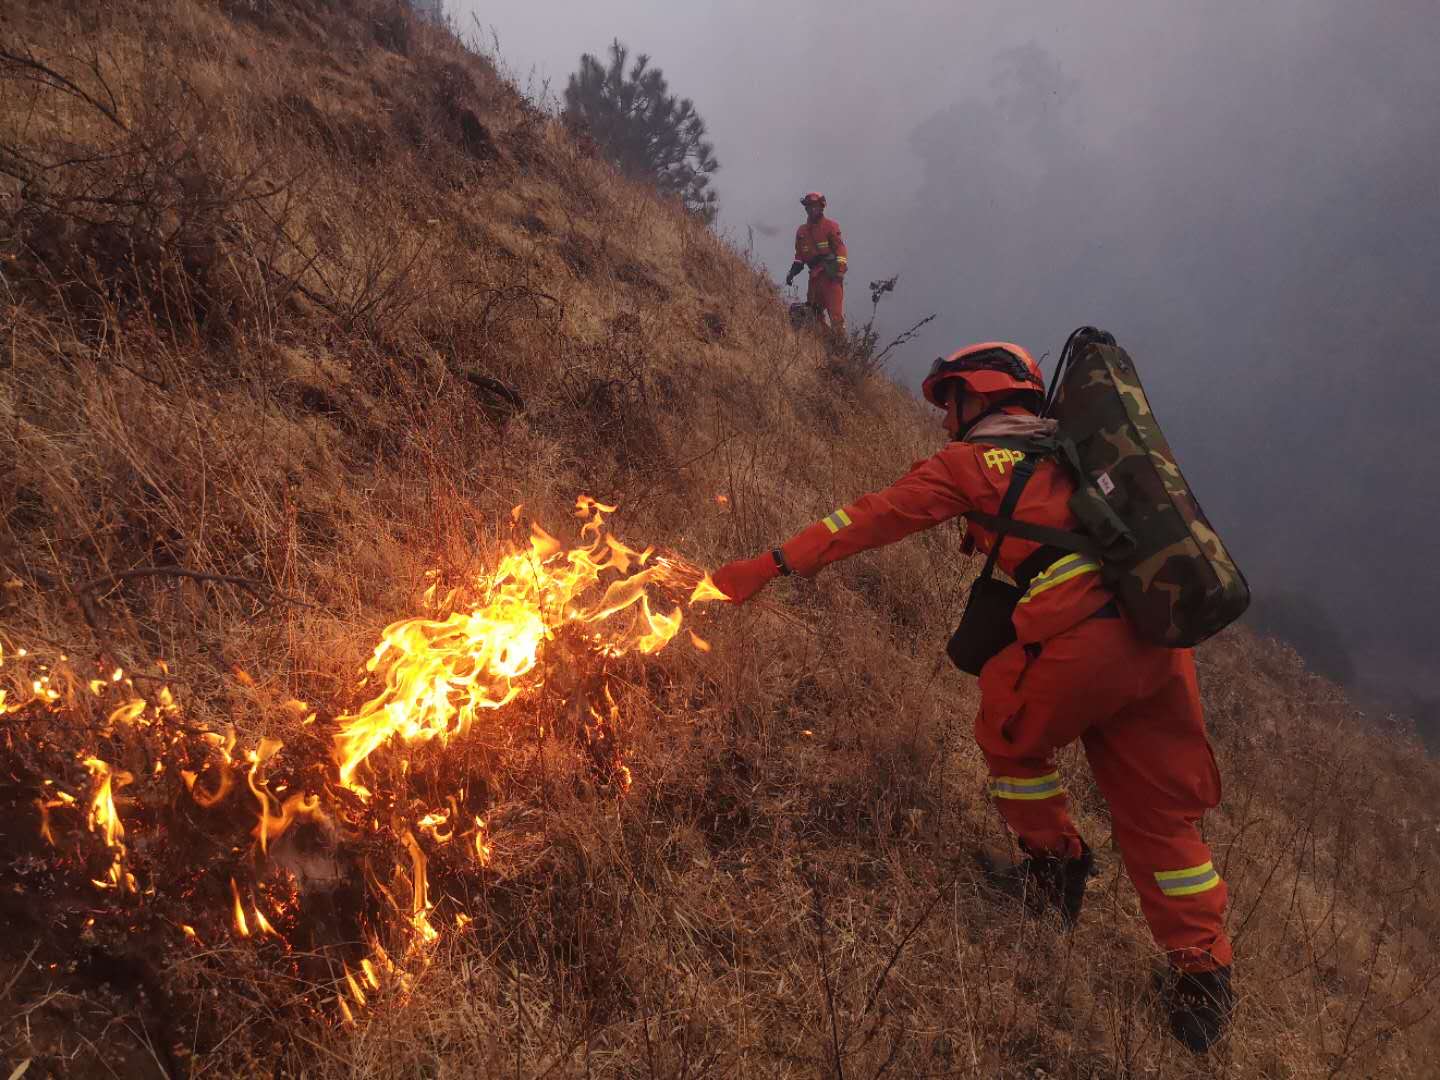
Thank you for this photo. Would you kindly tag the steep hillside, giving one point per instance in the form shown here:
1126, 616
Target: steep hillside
308, 317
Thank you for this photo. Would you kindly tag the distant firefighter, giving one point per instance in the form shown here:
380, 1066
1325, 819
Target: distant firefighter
818, 245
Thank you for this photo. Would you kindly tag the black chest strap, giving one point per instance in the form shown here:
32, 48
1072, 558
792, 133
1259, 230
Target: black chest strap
1024, 469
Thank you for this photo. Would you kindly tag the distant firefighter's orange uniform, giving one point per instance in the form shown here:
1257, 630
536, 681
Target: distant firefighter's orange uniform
821, 248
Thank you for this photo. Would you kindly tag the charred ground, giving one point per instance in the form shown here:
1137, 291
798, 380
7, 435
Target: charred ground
304, 295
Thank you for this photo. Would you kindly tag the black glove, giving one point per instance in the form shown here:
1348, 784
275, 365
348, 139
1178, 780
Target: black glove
795, 268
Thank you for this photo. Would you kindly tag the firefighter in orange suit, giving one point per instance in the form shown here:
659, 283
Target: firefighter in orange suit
1076, 671
819, 246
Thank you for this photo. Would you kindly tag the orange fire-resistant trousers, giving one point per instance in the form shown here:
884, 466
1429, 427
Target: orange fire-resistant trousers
827, 294
1136, 709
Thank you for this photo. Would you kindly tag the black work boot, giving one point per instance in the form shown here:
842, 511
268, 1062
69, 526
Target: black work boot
1200, 1004
1041, 881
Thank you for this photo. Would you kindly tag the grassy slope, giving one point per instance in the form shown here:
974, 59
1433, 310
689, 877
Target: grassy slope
319, 224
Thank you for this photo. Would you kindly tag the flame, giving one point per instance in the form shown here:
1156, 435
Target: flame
263, 924
226, 745
299, 806
706, 590
267, 749
482, 848
44, 807
433, 823
355, 991
240, 923
105, 819
420, 904
440, 675
129, 712
383, 956
541, 607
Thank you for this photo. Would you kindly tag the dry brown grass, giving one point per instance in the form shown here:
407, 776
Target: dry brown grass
253, 325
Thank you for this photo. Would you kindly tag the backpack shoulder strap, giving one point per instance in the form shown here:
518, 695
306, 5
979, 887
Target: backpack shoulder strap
1019, 477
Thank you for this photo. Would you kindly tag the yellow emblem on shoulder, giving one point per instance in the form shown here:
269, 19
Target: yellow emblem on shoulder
999, 457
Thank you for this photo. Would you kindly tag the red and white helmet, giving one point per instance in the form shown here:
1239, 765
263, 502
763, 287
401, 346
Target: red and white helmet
990, 367
815, 198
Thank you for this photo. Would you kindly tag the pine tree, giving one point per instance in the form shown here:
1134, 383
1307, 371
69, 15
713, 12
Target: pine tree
641, 128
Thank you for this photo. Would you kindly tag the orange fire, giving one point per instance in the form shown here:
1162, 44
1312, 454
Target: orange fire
440, 675
420, 903
241, 924
103, 818
476, 650
482, 846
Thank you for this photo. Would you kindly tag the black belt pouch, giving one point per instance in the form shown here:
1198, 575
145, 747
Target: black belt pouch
986, 626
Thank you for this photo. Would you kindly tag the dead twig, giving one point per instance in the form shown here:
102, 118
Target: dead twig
905, 940
900, 339
19, 970
262, 591
817, 911
30, 68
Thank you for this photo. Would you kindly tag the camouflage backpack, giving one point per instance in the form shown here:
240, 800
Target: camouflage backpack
1159, 554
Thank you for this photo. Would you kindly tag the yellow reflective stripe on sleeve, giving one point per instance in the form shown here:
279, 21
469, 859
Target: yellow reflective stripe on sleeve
1193, 879
1025, 787
837, 521
1060, 571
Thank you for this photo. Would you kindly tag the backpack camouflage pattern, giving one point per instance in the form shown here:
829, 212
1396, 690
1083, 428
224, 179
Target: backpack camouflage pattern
1159, 554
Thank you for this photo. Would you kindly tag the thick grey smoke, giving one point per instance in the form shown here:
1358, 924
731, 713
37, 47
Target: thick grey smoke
1247, 195
1263, 230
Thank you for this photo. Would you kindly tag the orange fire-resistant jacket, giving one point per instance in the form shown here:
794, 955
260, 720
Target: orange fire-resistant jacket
968, 476
814, 243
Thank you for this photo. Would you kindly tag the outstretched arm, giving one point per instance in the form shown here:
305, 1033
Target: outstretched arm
924, 497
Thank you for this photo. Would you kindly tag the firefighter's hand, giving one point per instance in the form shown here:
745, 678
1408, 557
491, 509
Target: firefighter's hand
789, 277
743, 579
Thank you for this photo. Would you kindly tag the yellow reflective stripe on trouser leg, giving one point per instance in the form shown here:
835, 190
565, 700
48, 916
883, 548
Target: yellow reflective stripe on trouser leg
837, 521
1059, 572
1025, 787
1193, 879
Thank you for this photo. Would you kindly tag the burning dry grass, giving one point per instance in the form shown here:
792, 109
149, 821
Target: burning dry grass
299, 301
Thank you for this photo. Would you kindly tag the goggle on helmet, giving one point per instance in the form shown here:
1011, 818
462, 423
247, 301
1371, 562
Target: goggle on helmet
990, 367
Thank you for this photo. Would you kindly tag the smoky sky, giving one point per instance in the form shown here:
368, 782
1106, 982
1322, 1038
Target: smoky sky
1247, 195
